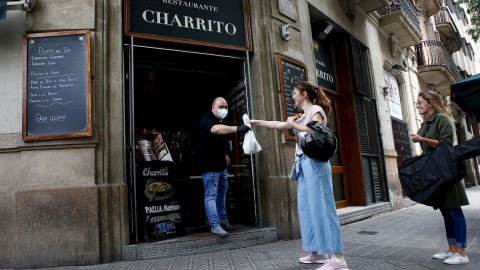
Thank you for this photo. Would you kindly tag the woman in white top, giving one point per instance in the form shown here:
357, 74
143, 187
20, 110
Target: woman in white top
319, 225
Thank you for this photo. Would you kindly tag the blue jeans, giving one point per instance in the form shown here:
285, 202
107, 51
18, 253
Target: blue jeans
455, 226
215, 193
319, 225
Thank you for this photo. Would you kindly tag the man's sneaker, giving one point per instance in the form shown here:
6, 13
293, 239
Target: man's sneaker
456, 259
218, 231
314, 258
332, 264
226, 225
442, 255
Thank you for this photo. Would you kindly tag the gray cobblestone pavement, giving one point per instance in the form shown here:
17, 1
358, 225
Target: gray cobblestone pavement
403, 239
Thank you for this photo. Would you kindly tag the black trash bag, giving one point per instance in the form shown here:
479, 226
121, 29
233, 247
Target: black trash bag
426, 178
321, 144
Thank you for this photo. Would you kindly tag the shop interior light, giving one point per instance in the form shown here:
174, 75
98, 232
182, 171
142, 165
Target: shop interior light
326, 30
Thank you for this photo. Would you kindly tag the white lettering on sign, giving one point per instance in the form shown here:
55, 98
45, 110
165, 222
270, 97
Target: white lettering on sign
42, 119
161, 172
325, 76
158, 17
159, 209
191, 5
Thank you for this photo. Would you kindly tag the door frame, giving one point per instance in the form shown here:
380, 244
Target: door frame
129, 121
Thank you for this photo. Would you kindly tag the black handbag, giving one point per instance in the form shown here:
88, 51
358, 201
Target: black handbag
321, 144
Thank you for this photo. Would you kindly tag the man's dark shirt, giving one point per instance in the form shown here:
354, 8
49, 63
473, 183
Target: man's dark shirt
212, 148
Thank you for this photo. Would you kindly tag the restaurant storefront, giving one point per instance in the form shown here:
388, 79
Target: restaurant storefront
124, 178
179, 56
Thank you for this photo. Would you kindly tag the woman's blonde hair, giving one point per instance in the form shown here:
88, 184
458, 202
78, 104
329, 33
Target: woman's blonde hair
437, 105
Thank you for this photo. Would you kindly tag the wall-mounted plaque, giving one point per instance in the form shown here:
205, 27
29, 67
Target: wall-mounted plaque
288, 9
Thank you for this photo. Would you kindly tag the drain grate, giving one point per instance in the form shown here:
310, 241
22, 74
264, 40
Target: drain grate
367, 232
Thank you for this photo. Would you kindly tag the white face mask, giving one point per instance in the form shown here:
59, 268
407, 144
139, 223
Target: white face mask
222, 113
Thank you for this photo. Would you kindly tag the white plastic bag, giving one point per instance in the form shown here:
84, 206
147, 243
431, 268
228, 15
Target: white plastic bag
250, 144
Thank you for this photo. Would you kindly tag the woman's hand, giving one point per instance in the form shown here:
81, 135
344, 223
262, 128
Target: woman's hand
415, 137
254, 122
290, 121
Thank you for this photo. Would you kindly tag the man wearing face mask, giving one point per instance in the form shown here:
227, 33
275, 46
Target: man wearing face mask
212, 161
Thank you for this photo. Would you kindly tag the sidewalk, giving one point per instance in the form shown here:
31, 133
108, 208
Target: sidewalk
403, 239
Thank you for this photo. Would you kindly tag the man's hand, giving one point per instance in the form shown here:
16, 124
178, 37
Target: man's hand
227, 159
243, 128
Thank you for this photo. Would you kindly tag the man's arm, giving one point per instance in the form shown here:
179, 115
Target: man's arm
225, 130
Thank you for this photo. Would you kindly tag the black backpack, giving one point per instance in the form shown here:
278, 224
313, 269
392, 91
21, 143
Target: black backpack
321, 144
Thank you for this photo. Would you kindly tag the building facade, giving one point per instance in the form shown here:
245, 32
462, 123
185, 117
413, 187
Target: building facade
149, 71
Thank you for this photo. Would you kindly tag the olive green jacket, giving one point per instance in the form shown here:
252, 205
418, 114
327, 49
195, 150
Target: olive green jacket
438, 127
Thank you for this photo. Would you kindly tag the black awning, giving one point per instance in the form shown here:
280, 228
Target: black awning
3, 10
466, 93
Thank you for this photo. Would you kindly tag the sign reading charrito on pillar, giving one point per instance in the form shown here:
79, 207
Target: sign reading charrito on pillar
214, 23
56, 92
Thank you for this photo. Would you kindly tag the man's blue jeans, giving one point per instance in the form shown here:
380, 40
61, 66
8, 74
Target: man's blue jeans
215, 193
456, 227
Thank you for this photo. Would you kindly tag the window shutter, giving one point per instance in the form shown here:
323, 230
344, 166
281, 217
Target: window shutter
430, 31
359, 66
361, 123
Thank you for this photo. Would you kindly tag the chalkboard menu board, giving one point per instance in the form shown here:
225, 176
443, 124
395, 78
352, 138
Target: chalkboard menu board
291, 72
157, 197
57, 93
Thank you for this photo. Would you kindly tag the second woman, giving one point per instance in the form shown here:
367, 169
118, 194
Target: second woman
319, 225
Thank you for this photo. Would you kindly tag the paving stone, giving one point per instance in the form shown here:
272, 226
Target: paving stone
406, 239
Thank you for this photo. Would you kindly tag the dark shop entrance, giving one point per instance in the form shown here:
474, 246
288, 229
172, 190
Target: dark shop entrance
167, 93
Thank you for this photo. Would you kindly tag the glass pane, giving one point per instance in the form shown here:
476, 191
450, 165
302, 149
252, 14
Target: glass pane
338, 193
332, 124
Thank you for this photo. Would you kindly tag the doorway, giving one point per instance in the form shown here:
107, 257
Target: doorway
168, 92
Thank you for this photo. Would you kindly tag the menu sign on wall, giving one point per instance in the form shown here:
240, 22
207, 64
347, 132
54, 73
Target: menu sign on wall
216, 23
291, 72
56, 96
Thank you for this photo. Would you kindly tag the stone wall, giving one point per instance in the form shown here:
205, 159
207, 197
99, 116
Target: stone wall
64, 201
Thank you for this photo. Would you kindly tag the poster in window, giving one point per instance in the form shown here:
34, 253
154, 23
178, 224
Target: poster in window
393, 96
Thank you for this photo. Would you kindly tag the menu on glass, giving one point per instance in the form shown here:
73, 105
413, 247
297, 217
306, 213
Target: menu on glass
291, 72
157, 198
57, 93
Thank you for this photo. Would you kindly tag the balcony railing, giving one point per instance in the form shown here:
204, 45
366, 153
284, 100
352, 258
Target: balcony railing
407, 8
445, 17
433, 53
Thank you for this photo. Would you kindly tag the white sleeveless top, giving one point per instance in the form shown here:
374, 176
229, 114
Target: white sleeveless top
304, 120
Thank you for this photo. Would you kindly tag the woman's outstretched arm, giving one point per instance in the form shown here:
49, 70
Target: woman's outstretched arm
269, 124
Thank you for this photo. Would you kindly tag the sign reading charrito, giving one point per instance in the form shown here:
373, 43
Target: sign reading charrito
215, 23
324, 65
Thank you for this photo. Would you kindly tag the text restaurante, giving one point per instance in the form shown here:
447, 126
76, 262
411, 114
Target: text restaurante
191, 5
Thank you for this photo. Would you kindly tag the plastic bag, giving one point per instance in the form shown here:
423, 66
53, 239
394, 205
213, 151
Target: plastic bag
250, 144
